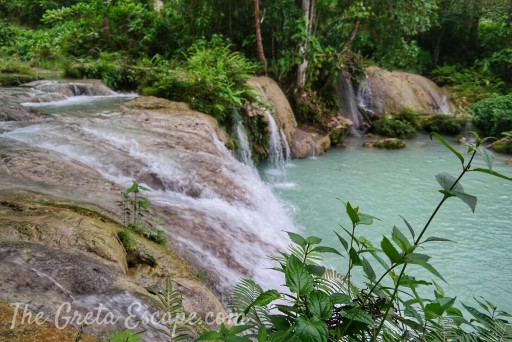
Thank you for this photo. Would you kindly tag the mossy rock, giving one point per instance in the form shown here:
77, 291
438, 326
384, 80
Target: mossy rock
503, 146
443, 123
8, 79
389, 143
393, 128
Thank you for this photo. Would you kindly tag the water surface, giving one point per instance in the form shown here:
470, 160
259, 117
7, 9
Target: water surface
387, 184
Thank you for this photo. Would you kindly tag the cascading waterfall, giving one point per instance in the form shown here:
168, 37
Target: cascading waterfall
349, 105
228, 228
364, 99
245, 153
287, 151
275, 153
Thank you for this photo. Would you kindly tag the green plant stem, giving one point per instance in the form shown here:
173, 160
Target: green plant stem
417, 242
350, 263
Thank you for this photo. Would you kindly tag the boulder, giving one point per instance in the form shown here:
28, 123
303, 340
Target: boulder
308, 141
272, 95
394, 91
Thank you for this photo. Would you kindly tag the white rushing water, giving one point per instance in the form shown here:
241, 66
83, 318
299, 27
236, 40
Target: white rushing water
275, 147
245, 153
230, 230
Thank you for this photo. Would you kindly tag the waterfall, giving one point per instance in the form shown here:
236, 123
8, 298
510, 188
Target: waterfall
287, 151
364, 99
244, 153
349, 103
444, 106
275, 153
219, 212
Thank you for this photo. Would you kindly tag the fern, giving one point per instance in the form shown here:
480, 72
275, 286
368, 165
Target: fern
170, 302
244, 294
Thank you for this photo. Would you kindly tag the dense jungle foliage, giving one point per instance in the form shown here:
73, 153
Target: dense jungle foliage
203, 51
130, 44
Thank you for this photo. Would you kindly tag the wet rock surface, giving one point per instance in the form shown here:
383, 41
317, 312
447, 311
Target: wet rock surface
60, 178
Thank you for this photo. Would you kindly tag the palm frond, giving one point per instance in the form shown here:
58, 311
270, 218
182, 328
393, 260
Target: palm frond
244, 294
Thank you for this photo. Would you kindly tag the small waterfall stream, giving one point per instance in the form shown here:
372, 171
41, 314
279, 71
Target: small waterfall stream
349, 103
245, 153
276, 156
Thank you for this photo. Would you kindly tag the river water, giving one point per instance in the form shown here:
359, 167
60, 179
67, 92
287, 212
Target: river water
387, 184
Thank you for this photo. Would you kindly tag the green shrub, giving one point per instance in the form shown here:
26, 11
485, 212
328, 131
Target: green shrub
393, 128
468, 85
443, 123
409, 115
115, 71
213, 80
493, 115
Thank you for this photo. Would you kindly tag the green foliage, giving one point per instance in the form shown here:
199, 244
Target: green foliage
493, 115
137, 216
176, 321
125, 335
213, 80
468, 85
321, 305
393, 128
443, 123
112, 68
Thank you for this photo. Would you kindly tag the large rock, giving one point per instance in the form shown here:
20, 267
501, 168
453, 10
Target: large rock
394, 91
309, 141
60, 178
272, 95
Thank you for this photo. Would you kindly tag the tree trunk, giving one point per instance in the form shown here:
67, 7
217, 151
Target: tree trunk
473, 33
301, 71
353, 35
259, 40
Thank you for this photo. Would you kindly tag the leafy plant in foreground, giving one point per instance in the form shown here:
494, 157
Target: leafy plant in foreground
137, 216
323, 305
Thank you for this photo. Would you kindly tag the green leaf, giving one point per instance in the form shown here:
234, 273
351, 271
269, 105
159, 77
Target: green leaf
262, 334
299, 240
447, 182
316, 270
341, 298
487, 156
426, 266
365, 219
352, 214
320, 305
368, 270
342, 240
325, 249
400, 239
468, 199
297, 276
263, 299
313, 330
237, 329
435, 238
357, 315
279, 322
494, 173
390, 251
354, 256
445, 143
313, 240
409, 226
